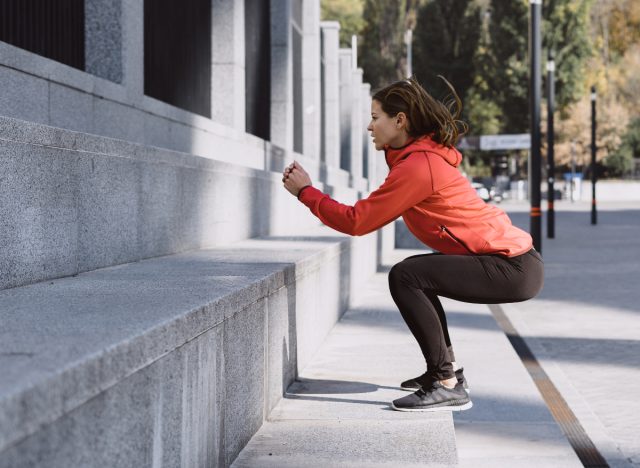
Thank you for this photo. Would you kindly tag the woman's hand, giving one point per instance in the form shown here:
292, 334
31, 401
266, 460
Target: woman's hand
295, 177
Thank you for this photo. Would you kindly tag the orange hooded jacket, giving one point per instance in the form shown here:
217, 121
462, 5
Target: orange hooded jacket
436, 201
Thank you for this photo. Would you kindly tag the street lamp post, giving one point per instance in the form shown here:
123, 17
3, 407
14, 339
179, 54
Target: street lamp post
536, 79
551, 168
594, 213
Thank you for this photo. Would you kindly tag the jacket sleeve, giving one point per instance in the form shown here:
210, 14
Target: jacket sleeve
408, 183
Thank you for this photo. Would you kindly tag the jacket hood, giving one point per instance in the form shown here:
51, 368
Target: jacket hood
422, 144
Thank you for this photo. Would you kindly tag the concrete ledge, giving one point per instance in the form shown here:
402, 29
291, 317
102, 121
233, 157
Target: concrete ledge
174, 360
77, 202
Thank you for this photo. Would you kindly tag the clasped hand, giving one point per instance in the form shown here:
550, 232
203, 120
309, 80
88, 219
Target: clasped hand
295, 177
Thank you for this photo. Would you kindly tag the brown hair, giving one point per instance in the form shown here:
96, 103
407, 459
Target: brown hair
426, 115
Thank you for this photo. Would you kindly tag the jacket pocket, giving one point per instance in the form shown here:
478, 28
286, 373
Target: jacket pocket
456, 239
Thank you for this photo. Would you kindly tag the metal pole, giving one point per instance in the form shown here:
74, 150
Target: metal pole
594, 213
536, 79
551, 168
573, 169
408, 39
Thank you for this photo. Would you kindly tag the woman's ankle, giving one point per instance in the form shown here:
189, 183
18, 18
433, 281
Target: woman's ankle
449, 383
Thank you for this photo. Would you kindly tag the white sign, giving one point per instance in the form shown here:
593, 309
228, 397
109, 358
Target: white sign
505, 142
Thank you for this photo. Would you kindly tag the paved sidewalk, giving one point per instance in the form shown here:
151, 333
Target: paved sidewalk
584, 327
338, 413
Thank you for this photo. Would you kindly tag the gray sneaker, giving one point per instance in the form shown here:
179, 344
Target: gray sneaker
437, 397
425, 380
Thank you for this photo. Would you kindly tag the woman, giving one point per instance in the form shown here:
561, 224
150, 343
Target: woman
482, 257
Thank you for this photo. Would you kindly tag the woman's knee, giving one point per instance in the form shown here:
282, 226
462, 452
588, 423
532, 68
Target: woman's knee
397, 275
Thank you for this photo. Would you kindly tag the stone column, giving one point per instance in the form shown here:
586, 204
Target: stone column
368, 147
357, 181
103, 37
311, 108
133, 49
281, 75
346, 107
227, 64
330, 144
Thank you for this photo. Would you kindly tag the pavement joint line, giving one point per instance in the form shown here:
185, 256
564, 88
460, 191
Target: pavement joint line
586, 451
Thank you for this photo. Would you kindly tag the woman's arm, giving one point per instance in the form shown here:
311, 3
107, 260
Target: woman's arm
408, 183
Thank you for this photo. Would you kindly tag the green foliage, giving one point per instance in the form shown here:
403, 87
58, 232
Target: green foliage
566, 33
348, 13
381, 53
620, 162
505, 63
445, 41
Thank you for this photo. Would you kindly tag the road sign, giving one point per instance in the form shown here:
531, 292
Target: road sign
505, 142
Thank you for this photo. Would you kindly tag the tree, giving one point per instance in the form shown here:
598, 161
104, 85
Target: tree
348, 13
505, 63
382, 53
620, 162
566, 33
446, 40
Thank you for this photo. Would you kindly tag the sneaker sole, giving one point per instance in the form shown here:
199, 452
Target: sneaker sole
418, 388
433, 409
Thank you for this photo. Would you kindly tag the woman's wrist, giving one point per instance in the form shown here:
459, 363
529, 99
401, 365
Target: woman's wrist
300, 191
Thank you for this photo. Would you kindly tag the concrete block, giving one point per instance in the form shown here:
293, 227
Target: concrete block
244, 365
70, 109
108, 204
281, 70
353, 444
156, 131
103, 39
116, 120
15, 87
281, 345
132, 24
228, 95
38, 220
160, 223
167, 414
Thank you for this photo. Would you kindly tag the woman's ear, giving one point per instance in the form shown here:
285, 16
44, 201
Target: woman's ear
401, 121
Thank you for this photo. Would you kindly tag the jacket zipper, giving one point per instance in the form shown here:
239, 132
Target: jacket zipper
455, 238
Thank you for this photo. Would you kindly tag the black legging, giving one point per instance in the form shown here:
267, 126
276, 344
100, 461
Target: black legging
417, 281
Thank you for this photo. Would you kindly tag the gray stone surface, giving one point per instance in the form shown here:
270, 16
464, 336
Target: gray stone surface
244, 368
15, 86
117, 120
108, 217
583, 327
330, 103
38, 214
167, 414
103, 39
281, 363
70, 108
79, 202
346, 106
63, 343
350, 443
311, 80
227, 64
358, 128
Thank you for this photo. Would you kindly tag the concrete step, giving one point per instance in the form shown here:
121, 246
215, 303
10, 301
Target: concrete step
337, 413
168, 361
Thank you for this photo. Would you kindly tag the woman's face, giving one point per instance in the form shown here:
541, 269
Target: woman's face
386, 130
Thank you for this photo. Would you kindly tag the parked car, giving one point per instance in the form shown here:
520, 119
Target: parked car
482, 191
